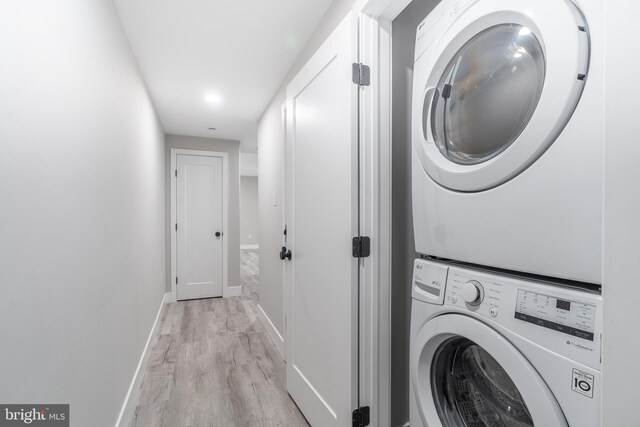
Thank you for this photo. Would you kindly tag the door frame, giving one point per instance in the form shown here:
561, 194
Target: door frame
284, 225
376, 17
226, 290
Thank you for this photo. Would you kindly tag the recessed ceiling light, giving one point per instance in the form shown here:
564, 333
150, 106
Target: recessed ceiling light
213, 98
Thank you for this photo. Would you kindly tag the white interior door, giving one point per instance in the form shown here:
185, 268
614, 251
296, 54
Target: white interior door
199, 205
322, 203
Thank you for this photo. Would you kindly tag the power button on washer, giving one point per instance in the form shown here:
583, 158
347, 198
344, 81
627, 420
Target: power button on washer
493, 312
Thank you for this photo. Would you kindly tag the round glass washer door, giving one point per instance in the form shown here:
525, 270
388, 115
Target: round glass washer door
487, 94
494, 89
465, 374
471, 389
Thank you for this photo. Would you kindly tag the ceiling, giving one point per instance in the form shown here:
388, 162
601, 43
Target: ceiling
239, 51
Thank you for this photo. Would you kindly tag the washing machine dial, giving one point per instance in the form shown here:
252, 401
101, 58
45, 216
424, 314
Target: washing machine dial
472, 292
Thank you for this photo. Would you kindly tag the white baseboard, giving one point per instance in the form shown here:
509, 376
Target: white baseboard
171, 297
231, 291
249, 246
273, 333
130, 400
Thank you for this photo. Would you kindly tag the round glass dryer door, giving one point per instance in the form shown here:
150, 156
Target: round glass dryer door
495, 88
487, 94
471, 389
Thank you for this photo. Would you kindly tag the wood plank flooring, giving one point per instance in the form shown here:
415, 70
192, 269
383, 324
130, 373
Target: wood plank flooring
213, 364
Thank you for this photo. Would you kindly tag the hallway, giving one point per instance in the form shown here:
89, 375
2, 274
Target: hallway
214, 365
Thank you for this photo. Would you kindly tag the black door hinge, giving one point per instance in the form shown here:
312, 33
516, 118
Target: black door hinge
361, 417
176, 173
361, 246
361, 74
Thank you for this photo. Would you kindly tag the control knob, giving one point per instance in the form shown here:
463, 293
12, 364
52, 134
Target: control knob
472, 292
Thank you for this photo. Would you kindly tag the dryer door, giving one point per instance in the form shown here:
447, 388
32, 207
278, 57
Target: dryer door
466, 374
496, 89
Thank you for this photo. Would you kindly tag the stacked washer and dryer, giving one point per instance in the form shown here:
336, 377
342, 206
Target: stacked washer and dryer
506, 321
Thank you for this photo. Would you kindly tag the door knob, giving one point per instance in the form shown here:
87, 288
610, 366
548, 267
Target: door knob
218, 234
284, 253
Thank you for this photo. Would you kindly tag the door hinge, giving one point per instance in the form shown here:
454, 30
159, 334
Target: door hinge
176, 173
176, 280
361, 246
361, 74
361, 417
176, 226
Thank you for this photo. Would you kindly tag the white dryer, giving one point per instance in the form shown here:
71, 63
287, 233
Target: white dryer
507, 127
495, 350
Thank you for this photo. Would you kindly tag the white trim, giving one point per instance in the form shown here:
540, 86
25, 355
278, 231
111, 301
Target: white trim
130, 400
376, 223
231, 291
254, 246
375, 51
383, 10
225, 216
274, 335
284, 226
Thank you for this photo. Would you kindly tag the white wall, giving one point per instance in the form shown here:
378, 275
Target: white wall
621, 287
248, 164
233, 223
249, 211
270, 164
82, 218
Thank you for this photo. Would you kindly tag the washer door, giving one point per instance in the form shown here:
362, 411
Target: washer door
498, 88
465, 374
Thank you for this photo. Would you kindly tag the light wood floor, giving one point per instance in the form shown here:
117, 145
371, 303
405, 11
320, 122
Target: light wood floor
213, 365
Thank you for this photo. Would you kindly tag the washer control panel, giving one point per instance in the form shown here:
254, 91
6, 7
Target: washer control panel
575, 318
564, 320
482, 296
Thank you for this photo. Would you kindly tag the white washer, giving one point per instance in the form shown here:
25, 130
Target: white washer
497, 350
507, 126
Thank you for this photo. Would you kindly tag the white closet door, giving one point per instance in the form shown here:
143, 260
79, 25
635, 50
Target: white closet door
322, 194
199, 227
